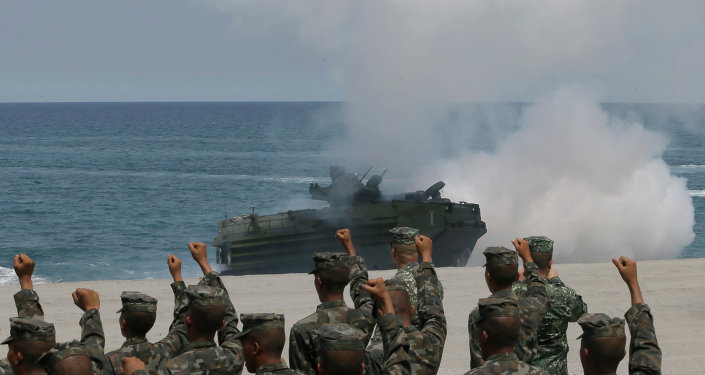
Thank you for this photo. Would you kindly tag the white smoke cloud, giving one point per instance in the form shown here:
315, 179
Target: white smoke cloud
564, 168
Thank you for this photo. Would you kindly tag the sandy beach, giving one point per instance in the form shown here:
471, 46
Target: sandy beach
675, 290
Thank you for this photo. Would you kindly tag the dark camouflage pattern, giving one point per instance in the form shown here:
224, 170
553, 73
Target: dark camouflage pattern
340, 337
533, 307
27, 304
565, 306
600, 325
61, 351
204, 356
540, 244
27, 329
395, 346
278, 368
136, 301
494, 307
93, 340
154, 354
500, 255
506, 364
303, 340
644, 352
324, 261
260, 321
404, 235
5, 368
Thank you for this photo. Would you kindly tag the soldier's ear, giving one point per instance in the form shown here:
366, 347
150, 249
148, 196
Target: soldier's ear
413, 309
550, 262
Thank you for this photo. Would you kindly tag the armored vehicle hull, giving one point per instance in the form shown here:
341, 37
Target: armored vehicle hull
285, 242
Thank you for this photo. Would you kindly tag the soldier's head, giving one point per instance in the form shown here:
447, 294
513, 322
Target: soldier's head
501, 266
602, 343
332, 271
541, 249
67, 359
400, 300
262, 339
137, 315
206, 310
342, 349
499, 324
29, 339
403, 245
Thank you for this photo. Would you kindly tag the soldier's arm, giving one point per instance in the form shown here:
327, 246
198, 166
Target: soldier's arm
644, 351
92, 336
176, 338
364, 302
26, 300
374, 358
535, 284
433, 320
476, 359
396, 347
300, 354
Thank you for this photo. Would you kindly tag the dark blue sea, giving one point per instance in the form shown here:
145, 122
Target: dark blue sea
96, 191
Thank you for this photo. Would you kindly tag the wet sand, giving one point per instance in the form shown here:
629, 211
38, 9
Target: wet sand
675, 290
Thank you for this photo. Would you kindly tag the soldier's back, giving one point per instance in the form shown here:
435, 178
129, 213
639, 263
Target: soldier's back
203, 358
505, 364
142, 349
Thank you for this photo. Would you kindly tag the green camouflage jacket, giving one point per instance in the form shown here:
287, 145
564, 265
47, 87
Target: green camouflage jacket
506, 364
27, 304
205, 357
395, 346
279, 368
303, 339
93, 339
155, 354
533, 306
644, 352
564, 306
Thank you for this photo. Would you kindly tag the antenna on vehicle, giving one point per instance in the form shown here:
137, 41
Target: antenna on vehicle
365, 175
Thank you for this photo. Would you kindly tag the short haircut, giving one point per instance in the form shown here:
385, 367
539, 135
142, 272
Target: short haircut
401, 303
32, 350
207, 319
503, 275
405, 250
334, 279
138, 323
605, 352
541, 258
79, 364
271, 340
502, 331
343, 362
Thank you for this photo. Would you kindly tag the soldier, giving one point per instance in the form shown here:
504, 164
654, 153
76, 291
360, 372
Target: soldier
332, 273
92, 336
29, 339
500, 273
209, 311
603, 339
499, 326
263, 341
425, 344
137, 317
68, 359
565, 306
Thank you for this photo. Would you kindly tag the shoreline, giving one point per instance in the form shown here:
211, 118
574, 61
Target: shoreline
674, 289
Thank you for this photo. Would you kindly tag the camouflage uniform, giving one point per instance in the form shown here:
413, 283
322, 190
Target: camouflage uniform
203, 356
303, 339
151, 354
502, 363
644, 352
255, 322
565, 306
425, 344
533, 307
27, 304
93, 340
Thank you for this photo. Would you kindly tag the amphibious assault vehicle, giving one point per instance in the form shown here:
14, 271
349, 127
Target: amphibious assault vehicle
284, 242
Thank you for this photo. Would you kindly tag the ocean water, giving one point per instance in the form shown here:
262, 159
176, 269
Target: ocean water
97, 191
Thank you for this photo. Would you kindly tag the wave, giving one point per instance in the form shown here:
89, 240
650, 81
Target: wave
697, 193
689, 167
8, 277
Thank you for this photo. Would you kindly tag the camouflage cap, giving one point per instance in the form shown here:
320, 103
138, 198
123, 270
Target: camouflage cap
494, 307
59, 352
136, 301
404, 235
539, 244
500, 255
203, 295
340, 337
257, 322
25, 329
395, 284
330, 260
600, 325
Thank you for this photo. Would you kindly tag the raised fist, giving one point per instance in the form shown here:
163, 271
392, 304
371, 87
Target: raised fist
86, 299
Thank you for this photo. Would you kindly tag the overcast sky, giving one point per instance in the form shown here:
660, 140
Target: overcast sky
213, 50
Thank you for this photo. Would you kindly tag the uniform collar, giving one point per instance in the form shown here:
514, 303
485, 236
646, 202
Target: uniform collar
134, 341
331, 305
507, 356
200, 344
272, 367
408, 267
503, 293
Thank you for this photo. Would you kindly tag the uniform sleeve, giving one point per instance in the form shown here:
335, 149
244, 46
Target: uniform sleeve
374, 358
396, 347
213, 280
476, 359
5, 368
535, 286
644, 352
364, 302
93, 339
175, 340
27, 303
299, 347
566, 303
433, 320
533, 308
